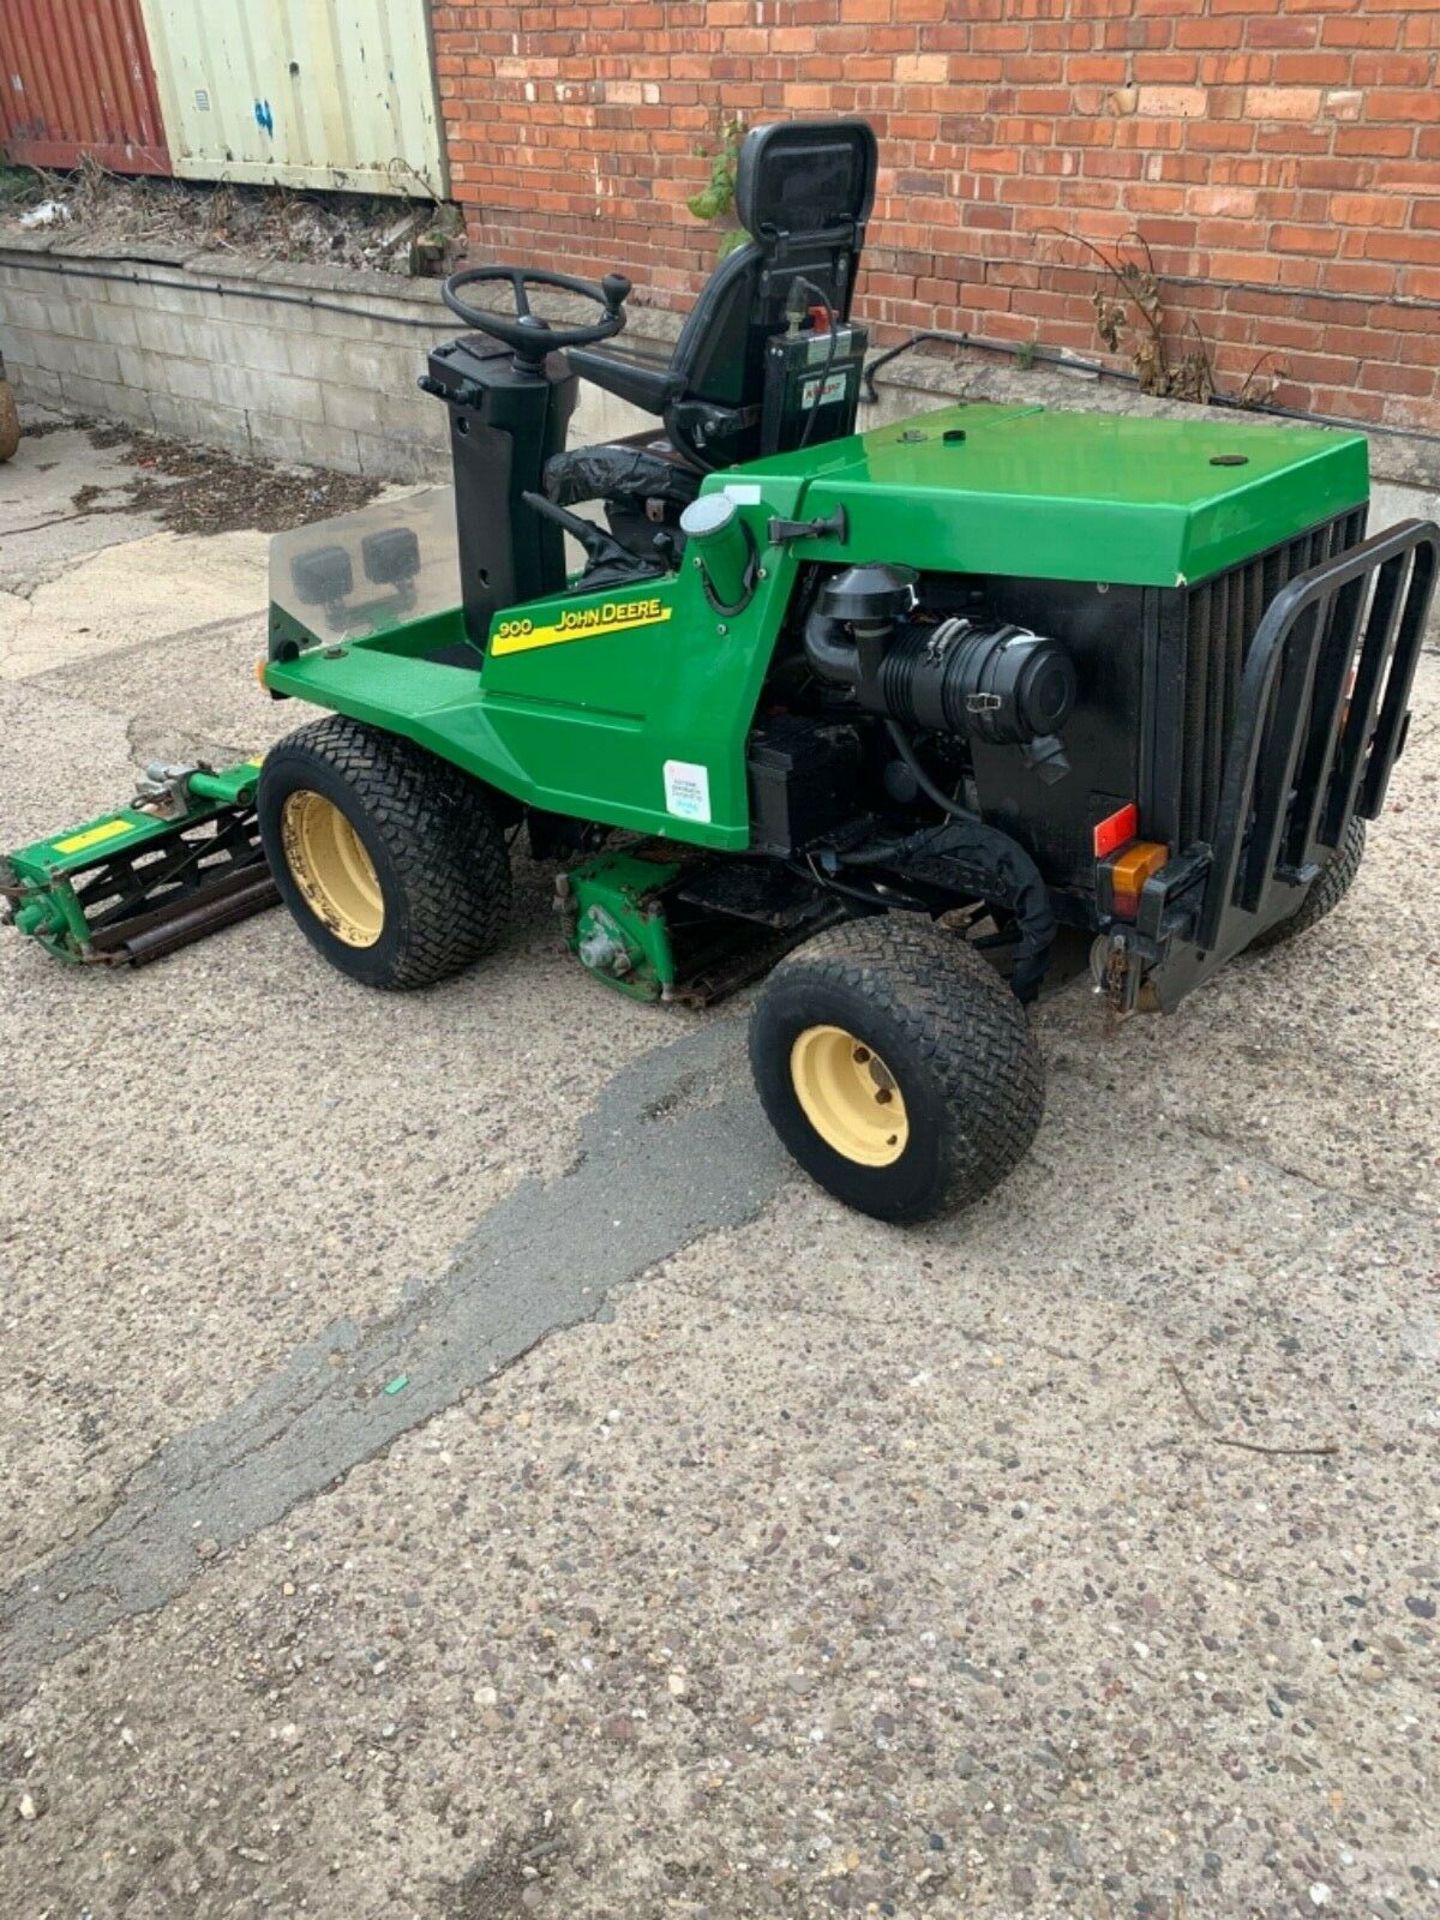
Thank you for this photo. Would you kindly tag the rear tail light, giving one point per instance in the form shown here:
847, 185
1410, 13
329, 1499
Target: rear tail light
1129, 871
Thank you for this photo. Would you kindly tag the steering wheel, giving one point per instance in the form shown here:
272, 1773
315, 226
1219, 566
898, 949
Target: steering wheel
529, 334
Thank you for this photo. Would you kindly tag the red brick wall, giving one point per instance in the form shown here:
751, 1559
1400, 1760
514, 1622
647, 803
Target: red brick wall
1282, 158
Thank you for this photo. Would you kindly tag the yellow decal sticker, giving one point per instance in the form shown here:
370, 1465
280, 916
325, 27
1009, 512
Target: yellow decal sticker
579, 623
92, 836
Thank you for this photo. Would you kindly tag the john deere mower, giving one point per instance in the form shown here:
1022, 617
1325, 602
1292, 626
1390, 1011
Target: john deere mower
891, 717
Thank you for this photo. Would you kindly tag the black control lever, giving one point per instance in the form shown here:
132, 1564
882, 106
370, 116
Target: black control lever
616, 289
835, 526
601, 549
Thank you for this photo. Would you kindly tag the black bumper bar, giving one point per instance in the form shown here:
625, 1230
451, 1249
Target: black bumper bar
1319, 724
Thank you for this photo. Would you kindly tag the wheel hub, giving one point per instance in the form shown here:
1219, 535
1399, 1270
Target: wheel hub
849, 1096
332, 869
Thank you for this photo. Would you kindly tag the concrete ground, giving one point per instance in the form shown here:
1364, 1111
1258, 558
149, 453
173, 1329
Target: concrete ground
453, 1467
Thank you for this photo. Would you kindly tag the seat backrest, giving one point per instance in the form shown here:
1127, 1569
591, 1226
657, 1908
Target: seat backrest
803, 192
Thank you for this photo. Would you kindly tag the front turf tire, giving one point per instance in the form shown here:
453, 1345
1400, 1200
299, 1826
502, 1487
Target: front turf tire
392, 861
1327, 890
934, 1088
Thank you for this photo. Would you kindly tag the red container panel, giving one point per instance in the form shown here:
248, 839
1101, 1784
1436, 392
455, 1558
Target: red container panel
76, 78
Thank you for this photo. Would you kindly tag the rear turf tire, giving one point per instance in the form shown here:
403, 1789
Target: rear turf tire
1327, 890
392, 861
934, 1088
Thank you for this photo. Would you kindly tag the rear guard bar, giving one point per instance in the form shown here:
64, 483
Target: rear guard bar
1305, 755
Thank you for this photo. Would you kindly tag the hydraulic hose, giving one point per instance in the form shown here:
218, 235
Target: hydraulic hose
1011, 875
831, 655
927, 786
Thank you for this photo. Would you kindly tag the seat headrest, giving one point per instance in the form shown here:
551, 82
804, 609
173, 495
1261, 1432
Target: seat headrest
806, 176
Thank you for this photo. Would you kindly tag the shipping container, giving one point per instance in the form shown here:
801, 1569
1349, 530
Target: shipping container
75, 79
300, 93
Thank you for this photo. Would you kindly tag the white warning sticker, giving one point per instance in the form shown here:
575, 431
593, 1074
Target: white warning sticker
824, 392
687, 790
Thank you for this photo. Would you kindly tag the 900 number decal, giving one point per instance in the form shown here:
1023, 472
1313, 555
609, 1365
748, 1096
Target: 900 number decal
513, 629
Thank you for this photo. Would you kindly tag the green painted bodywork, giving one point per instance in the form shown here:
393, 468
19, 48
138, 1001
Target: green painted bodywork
1075, 496
616, 895
587, 727
41, 876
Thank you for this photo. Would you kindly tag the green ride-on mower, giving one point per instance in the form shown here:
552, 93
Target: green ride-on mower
895, 714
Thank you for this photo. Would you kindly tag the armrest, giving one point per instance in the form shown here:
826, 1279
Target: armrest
644, 384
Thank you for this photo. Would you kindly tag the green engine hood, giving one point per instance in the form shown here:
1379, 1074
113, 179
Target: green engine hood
1071, 496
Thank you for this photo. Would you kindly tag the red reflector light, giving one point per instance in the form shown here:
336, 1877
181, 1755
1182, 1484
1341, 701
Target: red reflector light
1114, 832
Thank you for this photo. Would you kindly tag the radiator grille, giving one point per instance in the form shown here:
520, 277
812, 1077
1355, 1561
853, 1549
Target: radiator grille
1220, 621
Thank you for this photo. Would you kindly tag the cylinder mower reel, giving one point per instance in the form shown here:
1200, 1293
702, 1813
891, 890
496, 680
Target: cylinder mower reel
181, 860
900, 721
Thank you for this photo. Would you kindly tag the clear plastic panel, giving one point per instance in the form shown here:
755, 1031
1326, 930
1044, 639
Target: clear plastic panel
382, 566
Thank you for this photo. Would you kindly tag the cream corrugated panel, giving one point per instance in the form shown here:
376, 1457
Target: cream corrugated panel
301, 93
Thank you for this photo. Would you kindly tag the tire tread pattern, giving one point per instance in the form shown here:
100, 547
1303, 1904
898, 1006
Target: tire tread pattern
1327, 890
961, 1022
441, 830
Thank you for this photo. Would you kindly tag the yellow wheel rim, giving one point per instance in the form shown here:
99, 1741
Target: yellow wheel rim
849, 1096
329, 864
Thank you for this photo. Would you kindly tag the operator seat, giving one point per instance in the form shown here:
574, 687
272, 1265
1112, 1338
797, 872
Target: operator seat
803, 192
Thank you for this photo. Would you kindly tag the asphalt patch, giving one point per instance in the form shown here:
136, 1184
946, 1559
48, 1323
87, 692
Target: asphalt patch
674, 1148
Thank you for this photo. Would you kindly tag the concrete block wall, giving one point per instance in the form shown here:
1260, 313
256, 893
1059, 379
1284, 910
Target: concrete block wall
296, 363
290, 362
318, 365
306, 364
